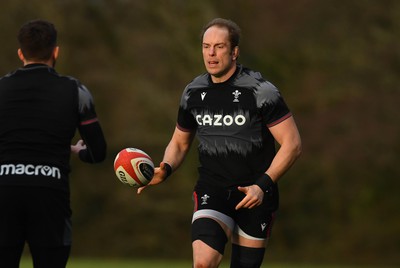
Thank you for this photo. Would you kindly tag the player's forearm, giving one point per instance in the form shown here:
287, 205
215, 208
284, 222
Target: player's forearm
95, 142
174, 155
178, 147
284, 159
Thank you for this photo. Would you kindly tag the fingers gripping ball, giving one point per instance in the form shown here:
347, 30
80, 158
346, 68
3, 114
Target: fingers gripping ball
134, 167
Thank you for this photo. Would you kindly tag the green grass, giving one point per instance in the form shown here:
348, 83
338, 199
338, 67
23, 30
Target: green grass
106, 263
99, 263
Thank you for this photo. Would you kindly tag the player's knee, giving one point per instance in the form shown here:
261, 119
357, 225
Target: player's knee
202, 263
210, 232
245, 257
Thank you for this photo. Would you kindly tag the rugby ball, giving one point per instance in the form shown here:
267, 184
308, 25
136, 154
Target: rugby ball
133, 167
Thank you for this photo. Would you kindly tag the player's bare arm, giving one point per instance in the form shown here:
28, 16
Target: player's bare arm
174, 155
178, 147
288, 137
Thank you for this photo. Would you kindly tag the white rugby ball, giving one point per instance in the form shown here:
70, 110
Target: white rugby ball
133, 167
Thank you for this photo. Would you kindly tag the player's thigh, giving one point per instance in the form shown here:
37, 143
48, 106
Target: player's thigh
253, 227
49, 223
209, 237
50, 257
12, 224
13, 202
212, 222
10, 256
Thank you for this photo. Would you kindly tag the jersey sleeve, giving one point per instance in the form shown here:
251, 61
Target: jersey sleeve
273, 106
87, 113
186, 121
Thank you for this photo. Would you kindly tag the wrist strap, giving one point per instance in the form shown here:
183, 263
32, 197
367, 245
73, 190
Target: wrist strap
168, 168
264, 182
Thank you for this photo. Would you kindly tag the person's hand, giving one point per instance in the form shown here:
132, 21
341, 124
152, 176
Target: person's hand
160, 174
254, 197
80, 145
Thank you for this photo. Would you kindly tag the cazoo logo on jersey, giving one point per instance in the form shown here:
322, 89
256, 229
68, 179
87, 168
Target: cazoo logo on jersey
220, 120
29, 170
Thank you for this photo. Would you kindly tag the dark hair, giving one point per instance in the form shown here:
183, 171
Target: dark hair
37, 39
233, 29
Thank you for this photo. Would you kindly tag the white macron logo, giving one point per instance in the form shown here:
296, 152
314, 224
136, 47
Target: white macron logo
30, 170
203, 95
263, 225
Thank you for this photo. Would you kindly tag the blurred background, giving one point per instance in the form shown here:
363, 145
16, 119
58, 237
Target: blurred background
337, 64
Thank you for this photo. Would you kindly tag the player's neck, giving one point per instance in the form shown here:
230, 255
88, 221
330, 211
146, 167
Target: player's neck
49, 63
225, 77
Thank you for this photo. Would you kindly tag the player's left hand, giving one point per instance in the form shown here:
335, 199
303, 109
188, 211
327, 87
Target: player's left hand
254, 197
80, 145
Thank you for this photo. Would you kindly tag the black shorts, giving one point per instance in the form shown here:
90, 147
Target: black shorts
220, 203
37, 215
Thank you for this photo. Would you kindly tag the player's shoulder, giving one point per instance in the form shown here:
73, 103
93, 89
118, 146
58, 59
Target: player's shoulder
84, 94
12, 74
245, 71
4, 77
81, 87
250, 78
263, 89
70, 79
200, 81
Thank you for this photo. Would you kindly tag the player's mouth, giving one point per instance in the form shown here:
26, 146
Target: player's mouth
213, 63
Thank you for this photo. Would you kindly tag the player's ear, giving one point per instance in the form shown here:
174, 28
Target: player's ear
55, 52
235, 53
21, 55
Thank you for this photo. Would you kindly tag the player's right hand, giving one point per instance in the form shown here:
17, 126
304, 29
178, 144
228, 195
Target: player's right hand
160, 174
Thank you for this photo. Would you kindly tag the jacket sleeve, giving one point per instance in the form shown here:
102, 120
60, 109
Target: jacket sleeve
90, 129
96, 146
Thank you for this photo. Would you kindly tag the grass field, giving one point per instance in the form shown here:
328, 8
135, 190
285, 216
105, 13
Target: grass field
99, 263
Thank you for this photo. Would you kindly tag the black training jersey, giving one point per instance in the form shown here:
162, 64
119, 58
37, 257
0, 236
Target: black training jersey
232, 120
40, 111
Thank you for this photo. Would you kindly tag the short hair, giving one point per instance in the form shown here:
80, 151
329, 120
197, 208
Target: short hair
37, 39
232, 27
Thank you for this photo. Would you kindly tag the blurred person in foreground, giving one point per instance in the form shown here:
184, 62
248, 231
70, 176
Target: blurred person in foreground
40, 111
237, 116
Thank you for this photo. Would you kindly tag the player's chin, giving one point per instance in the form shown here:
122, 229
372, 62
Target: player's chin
214, 70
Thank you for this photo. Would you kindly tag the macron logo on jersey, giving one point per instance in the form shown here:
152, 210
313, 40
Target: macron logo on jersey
30, 170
